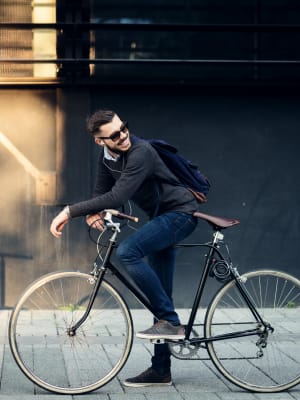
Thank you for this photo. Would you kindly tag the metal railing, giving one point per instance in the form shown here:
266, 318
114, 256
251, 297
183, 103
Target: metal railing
75, 30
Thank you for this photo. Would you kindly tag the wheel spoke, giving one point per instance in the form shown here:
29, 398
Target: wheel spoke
39, 333
267, 362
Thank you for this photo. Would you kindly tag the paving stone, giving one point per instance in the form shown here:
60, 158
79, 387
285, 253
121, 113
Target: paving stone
192, 380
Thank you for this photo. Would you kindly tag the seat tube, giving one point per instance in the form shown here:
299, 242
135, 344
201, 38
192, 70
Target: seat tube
217, 237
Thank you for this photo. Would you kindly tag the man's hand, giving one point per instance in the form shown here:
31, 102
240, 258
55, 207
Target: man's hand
95, 221
59, 222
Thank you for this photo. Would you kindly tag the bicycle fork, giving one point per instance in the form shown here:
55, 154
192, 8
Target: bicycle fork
99, 274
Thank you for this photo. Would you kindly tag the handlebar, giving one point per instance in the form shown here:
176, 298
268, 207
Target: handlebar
120, 215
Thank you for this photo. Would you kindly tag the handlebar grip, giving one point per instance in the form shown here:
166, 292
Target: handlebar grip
118, 214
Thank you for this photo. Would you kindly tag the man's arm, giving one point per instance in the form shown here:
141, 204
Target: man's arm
59, 222
138, 168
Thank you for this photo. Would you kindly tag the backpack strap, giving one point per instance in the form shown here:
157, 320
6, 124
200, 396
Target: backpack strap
198, 195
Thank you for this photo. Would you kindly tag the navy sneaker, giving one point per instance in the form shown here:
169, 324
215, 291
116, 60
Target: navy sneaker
163, 330
149, 378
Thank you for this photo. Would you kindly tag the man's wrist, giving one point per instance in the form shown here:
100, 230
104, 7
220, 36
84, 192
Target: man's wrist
66, 210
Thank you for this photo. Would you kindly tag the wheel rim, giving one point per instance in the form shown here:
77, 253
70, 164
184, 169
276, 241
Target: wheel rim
245, 361
74, 364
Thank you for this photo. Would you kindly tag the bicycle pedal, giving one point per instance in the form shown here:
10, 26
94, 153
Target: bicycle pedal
157, 341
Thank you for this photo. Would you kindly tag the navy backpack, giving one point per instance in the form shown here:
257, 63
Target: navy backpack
186, 172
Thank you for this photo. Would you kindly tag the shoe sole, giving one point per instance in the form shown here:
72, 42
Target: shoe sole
159, 337
129, 384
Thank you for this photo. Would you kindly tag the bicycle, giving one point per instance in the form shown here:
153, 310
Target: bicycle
81, 326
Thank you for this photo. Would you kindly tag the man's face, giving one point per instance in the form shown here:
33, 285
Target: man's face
114, 135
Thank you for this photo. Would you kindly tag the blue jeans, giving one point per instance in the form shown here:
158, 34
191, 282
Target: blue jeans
156, 240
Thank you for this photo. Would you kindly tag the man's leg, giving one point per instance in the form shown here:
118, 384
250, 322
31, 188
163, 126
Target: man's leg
163, 263
157, 243
160, 233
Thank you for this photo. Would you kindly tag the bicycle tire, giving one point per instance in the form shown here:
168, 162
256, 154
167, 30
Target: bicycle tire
276, 296
50, 357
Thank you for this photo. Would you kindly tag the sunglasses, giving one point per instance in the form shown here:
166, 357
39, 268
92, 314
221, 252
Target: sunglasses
115, 136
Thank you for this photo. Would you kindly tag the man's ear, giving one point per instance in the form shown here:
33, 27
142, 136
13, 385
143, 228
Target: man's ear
98, 141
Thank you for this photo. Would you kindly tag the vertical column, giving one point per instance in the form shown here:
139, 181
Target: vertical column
73, 104
72, 145
73, 42
44, 40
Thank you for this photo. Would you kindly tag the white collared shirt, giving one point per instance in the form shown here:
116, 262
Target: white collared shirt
108, 156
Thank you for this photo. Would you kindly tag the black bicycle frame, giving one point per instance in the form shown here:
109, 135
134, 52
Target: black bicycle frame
138, 294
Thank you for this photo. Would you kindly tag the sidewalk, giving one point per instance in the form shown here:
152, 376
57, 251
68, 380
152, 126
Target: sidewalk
192, 380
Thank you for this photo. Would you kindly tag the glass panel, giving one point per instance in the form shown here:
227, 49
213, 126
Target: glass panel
15, 43
18, 44
173, 11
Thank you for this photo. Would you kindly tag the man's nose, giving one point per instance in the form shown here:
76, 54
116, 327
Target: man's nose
123, 135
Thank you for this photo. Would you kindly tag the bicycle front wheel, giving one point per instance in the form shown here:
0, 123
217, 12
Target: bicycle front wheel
52, 358
269, 362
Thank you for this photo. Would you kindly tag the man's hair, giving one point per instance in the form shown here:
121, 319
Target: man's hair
99, 118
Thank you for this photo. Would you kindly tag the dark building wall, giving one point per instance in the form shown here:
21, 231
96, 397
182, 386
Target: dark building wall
245, 141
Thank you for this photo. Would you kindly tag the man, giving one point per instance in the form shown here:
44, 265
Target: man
130, 168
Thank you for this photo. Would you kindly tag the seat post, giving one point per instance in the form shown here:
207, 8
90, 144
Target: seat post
218, 237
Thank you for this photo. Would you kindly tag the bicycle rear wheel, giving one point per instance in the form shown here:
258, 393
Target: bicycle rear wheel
273, 364
57, 361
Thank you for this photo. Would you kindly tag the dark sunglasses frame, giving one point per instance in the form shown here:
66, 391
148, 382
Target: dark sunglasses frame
115, 136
